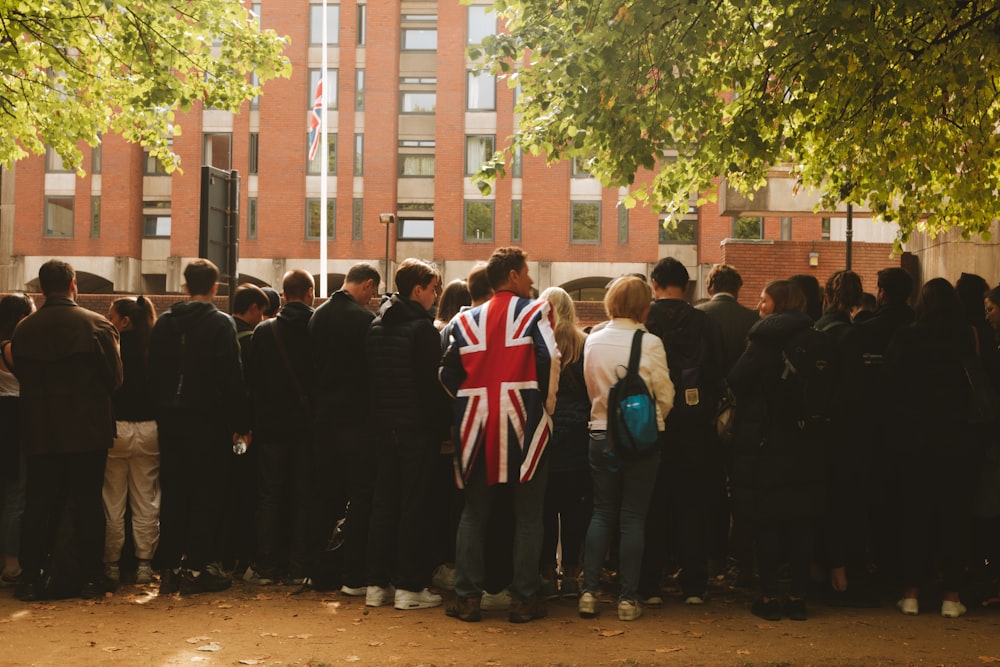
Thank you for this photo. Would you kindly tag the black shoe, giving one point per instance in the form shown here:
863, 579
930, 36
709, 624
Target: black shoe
769, 610
29, 589
205, 582
795, 609
522, 611
92, 590
170, 582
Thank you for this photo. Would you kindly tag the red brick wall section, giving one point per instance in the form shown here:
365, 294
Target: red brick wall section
756, 261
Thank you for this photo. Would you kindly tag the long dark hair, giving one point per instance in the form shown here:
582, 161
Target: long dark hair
939, 302
13, 309
142, 313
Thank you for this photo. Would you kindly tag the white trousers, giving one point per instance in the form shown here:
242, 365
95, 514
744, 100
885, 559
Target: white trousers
133, 474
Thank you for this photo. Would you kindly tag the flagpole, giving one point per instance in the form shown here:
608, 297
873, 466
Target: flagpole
323, 168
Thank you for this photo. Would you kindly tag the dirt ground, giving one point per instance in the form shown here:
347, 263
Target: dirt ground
272, 626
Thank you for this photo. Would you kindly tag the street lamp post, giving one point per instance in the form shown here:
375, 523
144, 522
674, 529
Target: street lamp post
386, 219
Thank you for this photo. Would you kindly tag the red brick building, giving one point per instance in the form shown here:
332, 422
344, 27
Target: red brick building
409, 121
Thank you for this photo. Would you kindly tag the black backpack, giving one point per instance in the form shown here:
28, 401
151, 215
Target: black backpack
808, 379
697, 380
632, 428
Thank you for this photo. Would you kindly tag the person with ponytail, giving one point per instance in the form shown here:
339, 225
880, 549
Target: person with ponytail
133, 468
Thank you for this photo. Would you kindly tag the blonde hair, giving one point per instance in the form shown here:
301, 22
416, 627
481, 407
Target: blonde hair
628, 297
569, 336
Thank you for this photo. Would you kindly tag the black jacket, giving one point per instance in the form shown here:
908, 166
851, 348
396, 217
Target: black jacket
194, 367
778, 469
134, 401
279, 384
403, 350
339, 374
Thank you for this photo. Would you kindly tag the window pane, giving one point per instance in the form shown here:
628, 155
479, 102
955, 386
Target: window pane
357, 223
95, 217
482, 92
252, 218
416, 165
415, 229
748, 227
419, 102
786, 229
479, 220
478, 149
153, 166
53, 162
684, 232
217, 151
515, 166
359, 154
332, 24
253, 150
515, 221
362, 24
331, 88
482, 22
313, 215
622, 223
59, 216
331, 163
96, 162
586, 221
156, 226
359, 90
415, 39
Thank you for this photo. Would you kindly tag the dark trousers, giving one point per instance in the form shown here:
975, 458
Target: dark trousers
239, 536
569, 497
398, 549
193, 460
285, 480
784, 540
345, 464
57, 485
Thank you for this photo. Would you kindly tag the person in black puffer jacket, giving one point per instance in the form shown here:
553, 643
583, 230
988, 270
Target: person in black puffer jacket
778, 475
411, 414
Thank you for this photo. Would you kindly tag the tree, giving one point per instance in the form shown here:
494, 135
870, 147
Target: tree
71, 70
890, 104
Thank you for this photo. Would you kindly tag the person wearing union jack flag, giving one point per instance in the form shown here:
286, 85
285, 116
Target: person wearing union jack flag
502, 369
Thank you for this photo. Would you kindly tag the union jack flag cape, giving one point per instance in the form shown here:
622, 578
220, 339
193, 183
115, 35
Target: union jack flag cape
502, 368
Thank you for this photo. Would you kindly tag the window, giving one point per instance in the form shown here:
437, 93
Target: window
786, 229
515, 221
413, 102
254, 152
331, 88
53, 162
685, 231
482, 92
359, 89
482, 22
332, 24
316, 163
97, 158
313, 215
516, 163
622, 223
578, 168
255, 82
362, 24
152, 166
420, 39
585, 223
415, 229
478, 149
357, 219
95, 217
59, 217
156, 226
478, 221
416, 157
252, 218
218, 152
359, 154
255, 8
748, 227
825, 229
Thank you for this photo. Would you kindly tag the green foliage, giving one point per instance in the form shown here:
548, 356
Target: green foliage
71, 70
890, 104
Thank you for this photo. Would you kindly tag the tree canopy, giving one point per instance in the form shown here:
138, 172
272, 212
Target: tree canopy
888, 104
73, 69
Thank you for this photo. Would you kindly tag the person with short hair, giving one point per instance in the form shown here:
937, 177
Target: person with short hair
623, 486
68, 365
201, 411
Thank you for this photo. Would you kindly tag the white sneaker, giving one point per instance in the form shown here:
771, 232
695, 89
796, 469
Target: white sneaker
910, 606
144, 574
694, 599
629, 610
416, 599
378, 596
444, 578
951, 609
587, 605
354, 592
495, 601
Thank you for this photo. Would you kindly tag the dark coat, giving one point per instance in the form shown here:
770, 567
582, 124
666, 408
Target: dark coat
68, 365
778, 468
734, 321
403, 350
194, 367
134, 401
278, 385
337, 333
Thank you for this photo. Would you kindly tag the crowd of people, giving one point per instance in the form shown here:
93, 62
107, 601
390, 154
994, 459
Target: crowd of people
459, 437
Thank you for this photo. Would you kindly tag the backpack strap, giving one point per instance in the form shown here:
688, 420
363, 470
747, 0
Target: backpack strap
636, 354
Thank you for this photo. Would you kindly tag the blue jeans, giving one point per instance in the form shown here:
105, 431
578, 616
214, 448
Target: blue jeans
529, 501
622, 489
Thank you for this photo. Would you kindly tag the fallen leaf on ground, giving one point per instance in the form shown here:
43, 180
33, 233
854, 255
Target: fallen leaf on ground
351, 658
672, 649
111, 649
375, 643
195, 640
209, 647
696, 635
494, 630
269, 634
988, 658
225, 606
299, 636
742, 651
249, 661
610, 633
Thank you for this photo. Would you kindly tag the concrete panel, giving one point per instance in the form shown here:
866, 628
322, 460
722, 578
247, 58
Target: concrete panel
781, 196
